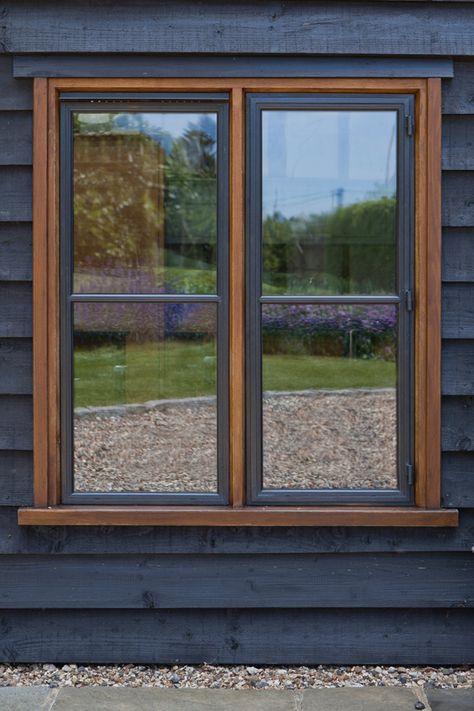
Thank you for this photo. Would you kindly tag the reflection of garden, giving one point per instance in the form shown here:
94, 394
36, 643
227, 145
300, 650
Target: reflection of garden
145, 208
329, 397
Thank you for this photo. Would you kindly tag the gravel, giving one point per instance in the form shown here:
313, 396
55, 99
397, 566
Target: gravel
312, 439
234, 677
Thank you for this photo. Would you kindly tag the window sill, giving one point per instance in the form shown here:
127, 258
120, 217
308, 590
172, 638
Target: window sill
225, 516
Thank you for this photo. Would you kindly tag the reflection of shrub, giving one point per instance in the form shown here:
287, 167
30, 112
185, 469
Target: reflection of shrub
349, 250
330, 330
143, 321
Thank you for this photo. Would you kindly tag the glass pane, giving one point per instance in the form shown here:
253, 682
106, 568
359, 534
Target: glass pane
329, 400
329, 202
145, 416
145, 202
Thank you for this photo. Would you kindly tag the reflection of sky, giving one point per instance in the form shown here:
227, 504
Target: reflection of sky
315, 161
172, 124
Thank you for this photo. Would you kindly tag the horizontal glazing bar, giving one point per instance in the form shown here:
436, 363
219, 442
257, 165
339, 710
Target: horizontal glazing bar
163, 298
349, 299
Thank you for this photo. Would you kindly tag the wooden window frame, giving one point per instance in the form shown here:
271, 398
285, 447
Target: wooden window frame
47, 508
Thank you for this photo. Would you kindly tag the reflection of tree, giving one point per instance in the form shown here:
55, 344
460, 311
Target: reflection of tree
141, 196
190, 196
349, 249
118, 205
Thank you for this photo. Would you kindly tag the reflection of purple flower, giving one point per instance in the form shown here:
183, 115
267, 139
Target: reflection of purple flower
139, 320
372, 328
329, 318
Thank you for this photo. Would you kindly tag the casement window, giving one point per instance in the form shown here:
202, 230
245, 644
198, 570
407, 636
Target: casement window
236, 294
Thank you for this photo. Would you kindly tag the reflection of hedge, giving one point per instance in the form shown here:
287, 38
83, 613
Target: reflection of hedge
360, 244
349, 249
361, 331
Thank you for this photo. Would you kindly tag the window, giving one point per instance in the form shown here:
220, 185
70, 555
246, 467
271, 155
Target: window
237, 302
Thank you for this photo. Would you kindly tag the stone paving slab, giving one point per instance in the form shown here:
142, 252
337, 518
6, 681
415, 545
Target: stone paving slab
152, 699
365, 699
449, 700
27, 698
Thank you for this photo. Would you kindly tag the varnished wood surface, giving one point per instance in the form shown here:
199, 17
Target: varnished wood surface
41, 409
237, 300
250, 516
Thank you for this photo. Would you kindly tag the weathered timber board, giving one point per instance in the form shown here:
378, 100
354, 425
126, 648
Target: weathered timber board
458, 479
245, 581
152, 65
458, 254
458, 142
458, 368
15, 94
239, 636
15, 138
16, 424
458, 311
458, 92
15, 194
172, 540
458, 199
457, 424
241, 27
15, 309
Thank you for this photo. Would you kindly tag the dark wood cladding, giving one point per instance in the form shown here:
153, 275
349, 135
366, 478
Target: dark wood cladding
419, 623
15, 95
80, 65
239, 581
212, 540
243, 27
377, 636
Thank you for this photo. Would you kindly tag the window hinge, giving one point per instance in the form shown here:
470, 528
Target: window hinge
410, 475
409, 124
409, 300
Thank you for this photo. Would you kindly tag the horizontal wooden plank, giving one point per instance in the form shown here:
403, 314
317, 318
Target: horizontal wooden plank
457, 424
239, 636
243, 27
458, 92
15, 309
211, 540
458, 479
83, 515
16, 478
458, 368
16, 251
458, 142
458, 254
16, 422
458, 311
15, 194
220, 581
458, 199
66, 65
15, 94
15, 366
15, 138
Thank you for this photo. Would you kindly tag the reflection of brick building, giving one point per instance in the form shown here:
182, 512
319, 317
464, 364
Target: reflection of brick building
119, 199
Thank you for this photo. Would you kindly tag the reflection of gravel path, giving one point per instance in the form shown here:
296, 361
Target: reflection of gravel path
341, 439
167, 448
318, 439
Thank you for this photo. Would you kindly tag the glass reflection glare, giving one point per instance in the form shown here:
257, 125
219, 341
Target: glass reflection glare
329, 202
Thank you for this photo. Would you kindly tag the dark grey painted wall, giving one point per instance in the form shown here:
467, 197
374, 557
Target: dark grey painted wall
195, 594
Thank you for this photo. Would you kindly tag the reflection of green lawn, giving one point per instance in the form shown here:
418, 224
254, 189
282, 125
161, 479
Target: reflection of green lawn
187, 369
